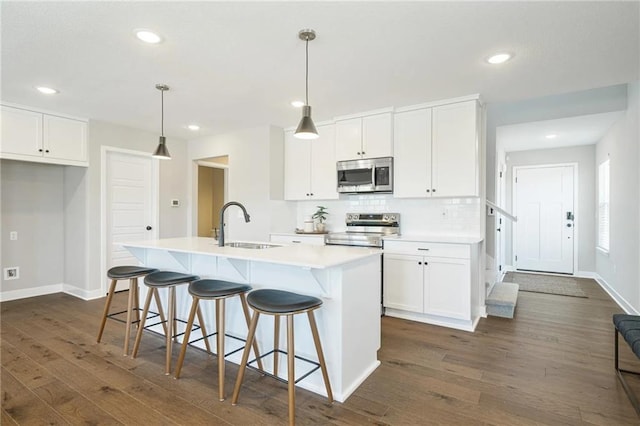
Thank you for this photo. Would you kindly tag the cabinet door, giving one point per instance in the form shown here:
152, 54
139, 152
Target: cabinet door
455, 150
447, 287
21, 132
412, 153
403, 282
323, 165
377, 136
64, 138
297, 153
348, 139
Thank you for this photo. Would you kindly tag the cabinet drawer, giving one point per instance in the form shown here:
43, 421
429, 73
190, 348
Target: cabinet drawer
315, 240
459, 251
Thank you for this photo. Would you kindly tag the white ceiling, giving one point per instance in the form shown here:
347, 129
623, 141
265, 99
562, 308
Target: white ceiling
237, 64
581, 130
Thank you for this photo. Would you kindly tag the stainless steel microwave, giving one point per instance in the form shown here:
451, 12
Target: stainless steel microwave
368, 175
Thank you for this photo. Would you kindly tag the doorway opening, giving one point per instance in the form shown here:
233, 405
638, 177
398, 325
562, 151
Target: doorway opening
212, 193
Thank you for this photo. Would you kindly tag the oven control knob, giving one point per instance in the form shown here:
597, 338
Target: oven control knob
392, 218
385, 218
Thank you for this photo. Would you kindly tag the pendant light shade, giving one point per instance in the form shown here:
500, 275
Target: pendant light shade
306, 129
161, 152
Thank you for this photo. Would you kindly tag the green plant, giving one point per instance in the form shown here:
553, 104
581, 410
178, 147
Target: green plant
320, 214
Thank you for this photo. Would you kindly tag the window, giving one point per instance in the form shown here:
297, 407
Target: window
603, 206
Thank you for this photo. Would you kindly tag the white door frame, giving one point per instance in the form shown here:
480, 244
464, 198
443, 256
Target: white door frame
155, 197
576, 215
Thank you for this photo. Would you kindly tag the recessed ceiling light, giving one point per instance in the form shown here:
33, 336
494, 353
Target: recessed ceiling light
297, 104
46, 90
193, 127
499, 58
551, 136
148, 36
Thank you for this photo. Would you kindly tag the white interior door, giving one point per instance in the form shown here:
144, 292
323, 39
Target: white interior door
130, 210
544, 207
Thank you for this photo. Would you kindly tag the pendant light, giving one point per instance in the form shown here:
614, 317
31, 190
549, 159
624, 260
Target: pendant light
306, 129
162, 152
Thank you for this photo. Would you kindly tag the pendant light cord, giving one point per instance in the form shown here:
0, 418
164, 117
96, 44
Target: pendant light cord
162, 112
306, 75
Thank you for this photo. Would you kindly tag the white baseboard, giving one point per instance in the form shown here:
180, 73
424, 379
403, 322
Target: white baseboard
6, 296
78, 292
626, 306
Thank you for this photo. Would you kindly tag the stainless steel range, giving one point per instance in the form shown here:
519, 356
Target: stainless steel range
365, 229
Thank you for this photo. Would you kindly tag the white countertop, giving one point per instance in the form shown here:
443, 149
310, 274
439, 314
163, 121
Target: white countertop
452, 239
302, 255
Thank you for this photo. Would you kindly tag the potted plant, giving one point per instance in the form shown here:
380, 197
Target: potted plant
321, 216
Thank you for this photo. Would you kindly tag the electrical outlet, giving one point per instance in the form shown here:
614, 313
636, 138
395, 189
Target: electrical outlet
13, 235
11, 273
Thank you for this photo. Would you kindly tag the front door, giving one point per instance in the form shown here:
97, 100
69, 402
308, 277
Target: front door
130, 210
544, 200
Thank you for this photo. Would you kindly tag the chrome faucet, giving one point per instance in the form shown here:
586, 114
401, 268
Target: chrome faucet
247, 218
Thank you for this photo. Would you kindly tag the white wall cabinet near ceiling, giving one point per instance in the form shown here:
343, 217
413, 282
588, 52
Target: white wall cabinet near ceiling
437, 151
431, 282
39, 137
310, 166
369, 136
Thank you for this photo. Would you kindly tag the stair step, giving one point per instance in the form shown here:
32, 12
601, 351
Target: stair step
501, 302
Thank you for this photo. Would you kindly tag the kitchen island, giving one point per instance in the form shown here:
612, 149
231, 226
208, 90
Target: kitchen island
347, 279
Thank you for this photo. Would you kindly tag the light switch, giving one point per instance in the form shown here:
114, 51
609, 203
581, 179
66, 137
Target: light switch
13, 235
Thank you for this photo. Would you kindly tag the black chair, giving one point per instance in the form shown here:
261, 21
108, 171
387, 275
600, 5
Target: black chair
283, 303
169, 280
131, 273
218, 290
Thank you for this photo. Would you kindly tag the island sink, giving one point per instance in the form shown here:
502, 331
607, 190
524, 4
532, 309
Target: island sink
254, 246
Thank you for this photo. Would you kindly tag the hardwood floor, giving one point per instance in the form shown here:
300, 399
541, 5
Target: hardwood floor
552, 364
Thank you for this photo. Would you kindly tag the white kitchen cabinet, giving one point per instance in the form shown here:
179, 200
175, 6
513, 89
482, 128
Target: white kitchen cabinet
430, 282
437, 151
313, 239
35, 136
369, 136
310, 166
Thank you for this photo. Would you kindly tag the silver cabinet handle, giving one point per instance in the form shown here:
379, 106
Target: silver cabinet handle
423, 249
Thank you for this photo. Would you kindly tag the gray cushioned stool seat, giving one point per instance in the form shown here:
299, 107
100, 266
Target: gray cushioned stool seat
629, 328
281, 302
166, 278
123, 272
216, 288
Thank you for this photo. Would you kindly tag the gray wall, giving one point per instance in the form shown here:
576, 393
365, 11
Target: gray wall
619, 268
605, 99
32, 205
585, 191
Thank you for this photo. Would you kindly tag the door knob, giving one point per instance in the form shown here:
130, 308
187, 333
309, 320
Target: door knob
149, 228
568, 225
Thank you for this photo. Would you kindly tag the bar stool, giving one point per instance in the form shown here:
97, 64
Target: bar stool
218, 290
132, 273
278, 303
170, 280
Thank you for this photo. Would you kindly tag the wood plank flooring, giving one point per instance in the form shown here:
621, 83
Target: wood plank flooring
552, 364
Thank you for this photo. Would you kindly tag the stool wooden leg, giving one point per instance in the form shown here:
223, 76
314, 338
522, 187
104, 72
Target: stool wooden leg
323, 365
137, 303
276, 344
170, 328
163, 320
220, 346
133, 285
245, 309
107, 305
245, 356
291, 382
185, 341
203, 330
145, 310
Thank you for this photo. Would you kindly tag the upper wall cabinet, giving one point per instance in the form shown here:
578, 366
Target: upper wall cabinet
437, 151
35, 136
310, 166
369, 136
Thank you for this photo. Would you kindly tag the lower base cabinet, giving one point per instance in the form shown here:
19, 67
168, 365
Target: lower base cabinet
437, 288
